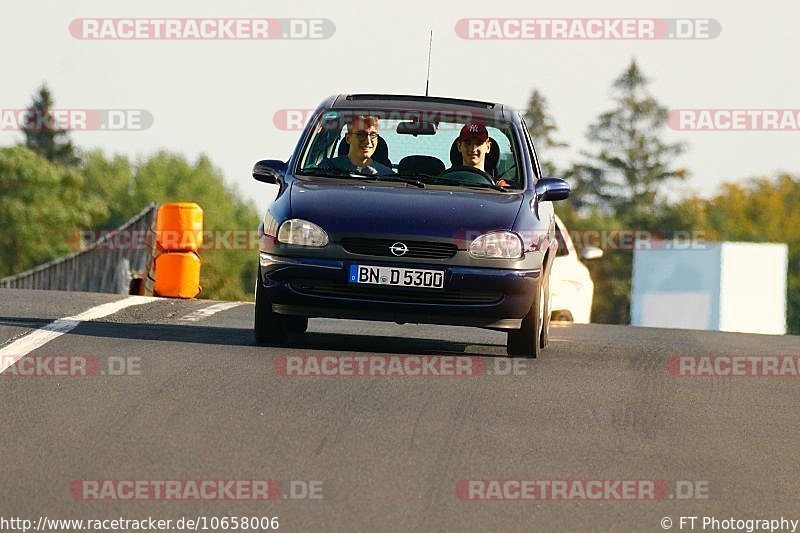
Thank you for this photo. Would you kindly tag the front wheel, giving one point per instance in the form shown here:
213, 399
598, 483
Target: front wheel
268, 327
528, 340
295, 325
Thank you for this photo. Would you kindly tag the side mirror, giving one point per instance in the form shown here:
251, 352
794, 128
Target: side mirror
591, 252
269, 171
551, 190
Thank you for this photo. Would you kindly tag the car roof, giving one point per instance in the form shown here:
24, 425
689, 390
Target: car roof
417, 102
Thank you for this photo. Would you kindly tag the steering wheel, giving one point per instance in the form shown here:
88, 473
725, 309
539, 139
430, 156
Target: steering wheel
506, 171
470, 171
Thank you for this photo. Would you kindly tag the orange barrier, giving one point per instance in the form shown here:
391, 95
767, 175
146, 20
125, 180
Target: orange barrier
179, 235
177, 275
179, 227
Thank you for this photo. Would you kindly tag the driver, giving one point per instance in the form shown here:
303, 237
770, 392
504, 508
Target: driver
362, 136
473, 144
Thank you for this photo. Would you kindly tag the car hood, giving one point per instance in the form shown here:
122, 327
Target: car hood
381, 209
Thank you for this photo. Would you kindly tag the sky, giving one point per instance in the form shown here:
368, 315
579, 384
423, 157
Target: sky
219, 97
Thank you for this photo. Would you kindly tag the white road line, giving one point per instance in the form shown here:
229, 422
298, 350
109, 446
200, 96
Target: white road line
211, 310
21, 347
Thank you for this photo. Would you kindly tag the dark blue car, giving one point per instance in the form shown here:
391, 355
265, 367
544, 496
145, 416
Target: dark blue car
409, 209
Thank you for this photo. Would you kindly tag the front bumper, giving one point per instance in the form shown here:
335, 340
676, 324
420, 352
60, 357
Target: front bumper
496, 298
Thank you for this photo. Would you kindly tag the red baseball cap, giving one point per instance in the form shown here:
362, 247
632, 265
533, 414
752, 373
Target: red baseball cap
474, 130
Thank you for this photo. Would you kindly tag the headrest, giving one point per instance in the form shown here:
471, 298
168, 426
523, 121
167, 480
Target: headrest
421, 164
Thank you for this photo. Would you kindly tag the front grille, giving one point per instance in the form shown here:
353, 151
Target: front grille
318, 287
416, 249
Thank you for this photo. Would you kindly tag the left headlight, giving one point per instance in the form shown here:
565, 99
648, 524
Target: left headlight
497, 245
302, 233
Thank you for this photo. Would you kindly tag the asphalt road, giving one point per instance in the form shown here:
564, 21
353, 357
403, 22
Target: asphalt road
197, 400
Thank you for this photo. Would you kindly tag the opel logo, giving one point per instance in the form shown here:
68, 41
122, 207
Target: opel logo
398, 249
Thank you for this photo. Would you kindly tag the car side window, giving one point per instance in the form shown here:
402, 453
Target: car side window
322, 147
562, 242
506, 164
529, 140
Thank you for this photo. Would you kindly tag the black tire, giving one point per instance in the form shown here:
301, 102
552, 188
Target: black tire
295, 325
561, 316
526, 341
268, 328
545, 336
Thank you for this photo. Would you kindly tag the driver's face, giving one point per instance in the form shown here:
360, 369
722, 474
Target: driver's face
473, 152
363, 140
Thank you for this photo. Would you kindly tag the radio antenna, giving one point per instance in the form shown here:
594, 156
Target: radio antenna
428, 78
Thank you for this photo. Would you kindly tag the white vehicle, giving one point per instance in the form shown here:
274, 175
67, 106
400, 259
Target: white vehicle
571, 285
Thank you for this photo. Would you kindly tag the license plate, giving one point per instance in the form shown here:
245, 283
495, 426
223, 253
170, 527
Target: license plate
398, 277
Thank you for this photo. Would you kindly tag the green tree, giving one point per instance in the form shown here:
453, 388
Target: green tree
228, 270
631, 163
42, 208
227, 273
618, 185
41, 134
542, 128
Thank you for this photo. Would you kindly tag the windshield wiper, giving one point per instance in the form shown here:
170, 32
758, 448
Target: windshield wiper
332, 173
418, 175
341, 173
410, 181
457, 183
338, 172
485, 186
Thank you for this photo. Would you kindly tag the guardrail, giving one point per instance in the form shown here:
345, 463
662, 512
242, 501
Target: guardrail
97, 268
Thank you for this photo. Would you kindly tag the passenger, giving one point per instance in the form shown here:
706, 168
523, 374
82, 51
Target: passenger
474, 144
362, 136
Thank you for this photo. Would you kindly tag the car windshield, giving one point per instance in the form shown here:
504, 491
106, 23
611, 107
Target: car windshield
417, 146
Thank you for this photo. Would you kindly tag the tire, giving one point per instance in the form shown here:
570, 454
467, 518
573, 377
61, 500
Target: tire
545, 335
268, 328
527, 341
561, 316
295, 325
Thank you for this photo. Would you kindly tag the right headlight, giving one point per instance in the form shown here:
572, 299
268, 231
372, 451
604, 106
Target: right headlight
302, 233
497, 245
